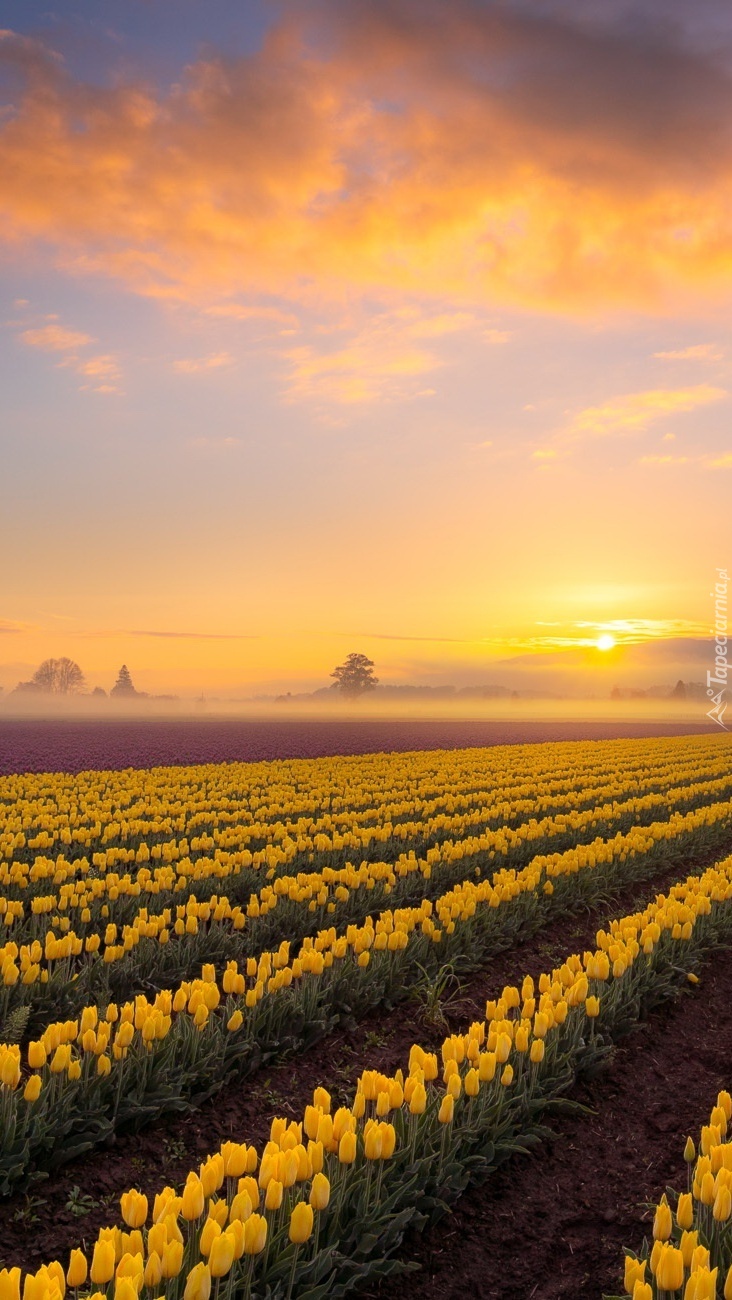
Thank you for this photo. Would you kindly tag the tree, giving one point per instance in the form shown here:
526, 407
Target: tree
123, 685
679, 691
57, 677
355, 676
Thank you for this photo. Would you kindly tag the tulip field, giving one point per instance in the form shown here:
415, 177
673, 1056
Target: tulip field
169, 934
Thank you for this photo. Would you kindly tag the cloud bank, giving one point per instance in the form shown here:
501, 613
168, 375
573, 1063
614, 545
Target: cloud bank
494, 154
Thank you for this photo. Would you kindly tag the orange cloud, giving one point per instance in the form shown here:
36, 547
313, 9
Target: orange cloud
55, 338
492, 157
385, 360
194, 365
697, 352
633, 412
664, 460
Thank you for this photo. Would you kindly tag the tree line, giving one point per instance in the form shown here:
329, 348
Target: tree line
64, 677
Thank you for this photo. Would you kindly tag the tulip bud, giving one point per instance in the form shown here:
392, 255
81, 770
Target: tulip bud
172, 1260
153, 1270
134, 1208
447, 1107
662, 1222
36, 1055
10, 1283
642, 1291
685, 1210
102, 1265
722, 1207
78, 1269
319, 1192
32, 1090
125, 1288
670, 1270
418, 1100
193, 1198
347, 1149
301, 1223
635, 1271
687, 1245
198, 1283
727, 1293
273, 1195
55, 1274
221, 1257
209, 1232
321, 1100
255, 1234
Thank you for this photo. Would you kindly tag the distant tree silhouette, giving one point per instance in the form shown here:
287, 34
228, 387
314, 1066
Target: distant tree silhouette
123, 685
57, 677
679, 691
355, 676
99, 693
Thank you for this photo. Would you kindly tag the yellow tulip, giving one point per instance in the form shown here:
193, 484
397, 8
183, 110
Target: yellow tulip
209, 1232
685, 1210
198, 1283
255, 1234
662, 1222
172, 1259
670, 1269
319, 1192
301, 1223
221, 1257
134, 1208
77, 1272
153, 1269
273, 1195
347, 1149
32, 1090
635, 1271
445, 1112
9, 1284
193, 1199
102, 1265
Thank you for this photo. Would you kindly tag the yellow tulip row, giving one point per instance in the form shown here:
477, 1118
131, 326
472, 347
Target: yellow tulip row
691, 1253
91, 1063
275, 1219
277, 844
331, 892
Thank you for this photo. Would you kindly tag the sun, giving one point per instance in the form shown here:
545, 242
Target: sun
605, 642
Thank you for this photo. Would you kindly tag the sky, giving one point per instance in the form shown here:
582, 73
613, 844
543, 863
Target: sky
390, 326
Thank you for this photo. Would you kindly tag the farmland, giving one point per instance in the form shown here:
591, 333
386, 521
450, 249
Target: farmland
75, 744
331, 997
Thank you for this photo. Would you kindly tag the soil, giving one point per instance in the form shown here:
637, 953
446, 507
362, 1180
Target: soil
81, 744
559, 1200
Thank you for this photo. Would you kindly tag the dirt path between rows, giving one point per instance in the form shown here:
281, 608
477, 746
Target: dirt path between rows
44, 1224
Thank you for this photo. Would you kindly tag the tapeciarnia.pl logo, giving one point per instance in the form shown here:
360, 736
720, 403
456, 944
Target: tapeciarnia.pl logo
718, 679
